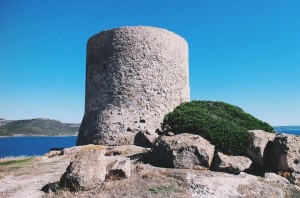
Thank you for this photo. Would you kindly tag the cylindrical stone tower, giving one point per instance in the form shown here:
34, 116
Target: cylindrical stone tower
134, 76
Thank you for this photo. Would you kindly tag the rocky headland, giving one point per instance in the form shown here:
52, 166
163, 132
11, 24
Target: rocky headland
184, 165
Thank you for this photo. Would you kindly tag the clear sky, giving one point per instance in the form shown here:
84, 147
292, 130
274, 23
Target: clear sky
244, 52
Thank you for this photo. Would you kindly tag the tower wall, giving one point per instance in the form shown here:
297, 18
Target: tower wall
134, 76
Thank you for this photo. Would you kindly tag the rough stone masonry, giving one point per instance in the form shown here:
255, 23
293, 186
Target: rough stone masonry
134, 76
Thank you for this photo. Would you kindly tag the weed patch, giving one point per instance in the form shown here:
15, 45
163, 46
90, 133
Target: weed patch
14, 162
165, 189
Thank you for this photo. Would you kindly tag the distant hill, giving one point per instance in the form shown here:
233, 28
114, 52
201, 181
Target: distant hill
38, 126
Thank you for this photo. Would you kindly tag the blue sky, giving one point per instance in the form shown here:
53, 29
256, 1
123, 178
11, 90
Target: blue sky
244, 52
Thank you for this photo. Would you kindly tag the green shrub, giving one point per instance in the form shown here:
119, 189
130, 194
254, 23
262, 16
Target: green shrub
224, 125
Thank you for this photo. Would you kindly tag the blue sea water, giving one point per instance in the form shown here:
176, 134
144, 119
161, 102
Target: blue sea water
295, 132
31, 146
288, 129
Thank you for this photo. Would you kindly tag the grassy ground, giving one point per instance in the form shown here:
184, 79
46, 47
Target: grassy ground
11, 165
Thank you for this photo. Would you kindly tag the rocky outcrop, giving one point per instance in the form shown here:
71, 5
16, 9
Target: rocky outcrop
53, 153
192, 152
118, 167
146, 138
230, 164
185, 151
91, 167
220, 185
86, 170
260, 146
135, 153
134, 76
273, 177
285, 155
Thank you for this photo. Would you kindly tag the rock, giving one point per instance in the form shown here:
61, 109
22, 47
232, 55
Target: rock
135, 153
170, 133
72, 151
145, 138
295, 178
126, 150
273, 177
220, 185
51, 187
230, 164
285, 153
118, 167
86, 170
93, 164
134, 76
259, 147
53, 153
186, 151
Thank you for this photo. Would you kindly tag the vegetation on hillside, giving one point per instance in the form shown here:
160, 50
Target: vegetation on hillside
224, 125
38, 127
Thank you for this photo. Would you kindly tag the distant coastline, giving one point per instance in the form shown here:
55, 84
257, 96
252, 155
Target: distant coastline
37, 127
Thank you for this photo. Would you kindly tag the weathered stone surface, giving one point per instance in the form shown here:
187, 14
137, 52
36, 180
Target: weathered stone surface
273, 177
294, 178
134, 76
285, 153
54, 153
86, 170
170, 133
259, 147
230, 164
91, 166
145, 138
72, 151
118, 167
125, 150
220, 185
135, 153
185, 151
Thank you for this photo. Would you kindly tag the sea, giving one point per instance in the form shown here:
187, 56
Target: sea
35, 146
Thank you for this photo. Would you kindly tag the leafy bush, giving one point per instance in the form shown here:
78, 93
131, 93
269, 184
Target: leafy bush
224, 125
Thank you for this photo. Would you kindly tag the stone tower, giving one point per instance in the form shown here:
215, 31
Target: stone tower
134, 76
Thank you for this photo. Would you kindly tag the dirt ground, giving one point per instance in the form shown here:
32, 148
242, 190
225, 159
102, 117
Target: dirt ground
25, 178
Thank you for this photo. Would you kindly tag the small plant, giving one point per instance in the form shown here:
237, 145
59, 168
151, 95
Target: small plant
224, 125
164, 189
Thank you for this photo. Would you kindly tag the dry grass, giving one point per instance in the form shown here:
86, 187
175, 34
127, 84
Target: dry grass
94, 147
285, 174
10, 158
12, 164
